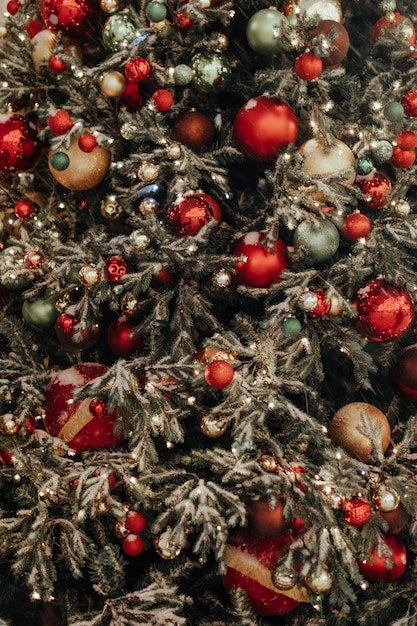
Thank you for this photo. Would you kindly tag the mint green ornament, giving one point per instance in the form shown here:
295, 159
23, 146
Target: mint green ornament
156, 11
291, 327
394, 112
264, 31
211, 71
39, 314
319, 240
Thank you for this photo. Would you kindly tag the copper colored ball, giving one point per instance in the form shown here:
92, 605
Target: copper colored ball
340, 45
397, 519
264, 521
195, 130
347, 426
407, 366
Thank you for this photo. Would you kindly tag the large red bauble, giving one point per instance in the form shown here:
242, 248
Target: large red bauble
74, 421
75, 18
376, 186
356, 226
250, 562
219, 374
194, 129
261, 266
385, 310
384, 23
383, 567
19, 147
122, 338
187, 216
339, 45
263, 126
264, 521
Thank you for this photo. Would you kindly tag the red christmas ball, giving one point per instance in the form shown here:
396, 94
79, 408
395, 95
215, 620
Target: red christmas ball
138, 69
315, 303
13, 6
56, 65
19, 147
74, 18
385, 310
402, 159
261, 266
407, 140
163, 99
87, 142
114, 269
132, 545
264, 521
397, 519
72, 420
131, 96
384, 23
183, 21
219, 374
60, 122
409, 102
406, 393
339, 44
377, 186
307, 66
250, 561
71, 335
23, 209
122, 338
357, 511
356, 226
187, 216
386, 562
135, 522
194, 129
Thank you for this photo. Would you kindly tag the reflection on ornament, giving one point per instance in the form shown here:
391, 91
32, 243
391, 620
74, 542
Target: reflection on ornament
221, 279
148, 171
212, 427
211, 71
165, 547
264, 31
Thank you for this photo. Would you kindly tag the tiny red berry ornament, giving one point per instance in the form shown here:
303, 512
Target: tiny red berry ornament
219, 374
163, 99
134, 523
23, 209
60, 122
87, 142
307, 66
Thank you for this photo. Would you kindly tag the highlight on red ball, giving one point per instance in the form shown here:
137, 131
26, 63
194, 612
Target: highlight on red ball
219, 374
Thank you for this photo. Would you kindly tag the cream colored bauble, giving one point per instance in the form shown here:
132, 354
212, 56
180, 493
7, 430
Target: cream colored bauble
315, 10
348, 429
112, 84
85, 169
320, 161
43, 45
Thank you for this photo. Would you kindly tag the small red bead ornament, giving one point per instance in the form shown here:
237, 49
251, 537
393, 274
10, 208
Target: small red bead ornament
114, 269
187, 215
263, 126
386, 562
403, 159
163, 99
23, 209
132, 545
261, 265
56, 65
19, 147
377, 186
219, 374
135, 522
60, 122
409, 103
87, 142
385, 310
72, 420
138, 70
74, 18
307, 66
357, 511
122, 338
356, 226
13, 6
407, 140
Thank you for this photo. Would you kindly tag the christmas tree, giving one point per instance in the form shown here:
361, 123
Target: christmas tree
208, 366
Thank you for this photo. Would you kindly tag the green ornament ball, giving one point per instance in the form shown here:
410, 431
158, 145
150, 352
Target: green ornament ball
364, 166
291, 327
394, 112
39, 314
318, 240
118, 32
60, 161
156, 11
211, 71
264, 31
382, 151
183, 74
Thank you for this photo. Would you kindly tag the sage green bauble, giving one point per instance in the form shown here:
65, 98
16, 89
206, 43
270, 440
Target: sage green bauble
39, 314
211, 71
119, 32
264, 30
319, 240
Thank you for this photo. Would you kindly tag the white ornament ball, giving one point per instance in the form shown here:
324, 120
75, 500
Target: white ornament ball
320, 161
112, 84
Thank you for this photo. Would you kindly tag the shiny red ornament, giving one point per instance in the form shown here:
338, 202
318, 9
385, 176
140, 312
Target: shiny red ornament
60, 122
74, 18
19, 147
138, 70
56, 65
356, 226
72, 420
98, 407
388, 24
183, 21
385, 311
316, 303
132, 545
135, 522
396, 519
339, 44
378, 187
163, 99
13, 6
263, 126
407, 140
407, 366
357, 511
187, 216
23, 209
219, 374
261, 266
409, 103
386, 562
87, 142
114, 269
403, 159
307, 66
250, 561
122, 338
265, 521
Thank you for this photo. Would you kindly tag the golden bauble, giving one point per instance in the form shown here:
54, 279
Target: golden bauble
320, 161
112, 84
347, 429
85, 169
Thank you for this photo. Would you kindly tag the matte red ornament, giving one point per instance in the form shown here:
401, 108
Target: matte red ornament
56, 65
264, 521
87, 142
307, 66
60, 122
385, 310
19, 147
357, 511
114, 269
122, 338
384, 23
339, 44
219, 374
138, 69
187, 216
377, 186
250, 561
194, 129
263, 126
407, 140
132, 545
386, 562
135, 522
261, 266
163, 99
23, 209
72, 420
74, 18
356, 226
13, 6
403, 159
409, 103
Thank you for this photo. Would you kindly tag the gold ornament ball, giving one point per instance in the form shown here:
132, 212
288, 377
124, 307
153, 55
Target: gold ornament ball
120, 531
111, 209
85, 169
130, 304
211, 427
268, 463
347, 426
9, 424
89, 275
148, 171
112, 84
165, 547
319, 582
321, 161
